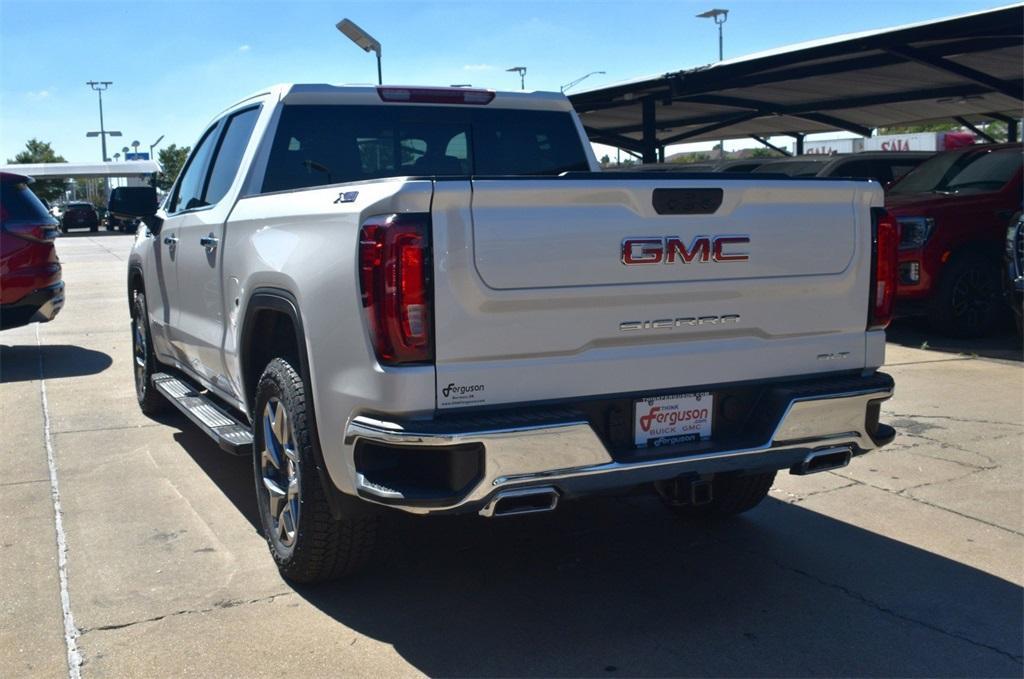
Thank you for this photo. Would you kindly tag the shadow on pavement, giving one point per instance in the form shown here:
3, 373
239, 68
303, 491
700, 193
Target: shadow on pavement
232, 473
620, 587
85, 233
915, 333
21, 362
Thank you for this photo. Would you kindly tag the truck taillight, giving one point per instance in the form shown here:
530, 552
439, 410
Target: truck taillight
394, 273
884, 269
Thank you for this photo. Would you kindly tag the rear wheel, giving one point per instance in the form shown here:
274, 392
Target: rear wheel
732, 494
306, 541
150, 400
967, 302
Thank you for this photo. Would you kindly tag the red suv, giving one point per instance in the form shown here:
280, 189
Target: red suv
31, 288
953, 211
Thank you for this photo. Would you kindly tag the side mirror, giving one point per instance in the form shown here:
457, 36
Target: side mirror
136, 201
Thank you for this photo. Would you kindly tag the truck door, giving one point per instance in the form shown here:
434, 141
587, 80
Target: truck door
198, 319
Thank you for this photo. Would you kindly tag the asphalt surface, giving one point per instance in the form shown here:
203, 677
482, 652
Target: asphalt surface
908, 562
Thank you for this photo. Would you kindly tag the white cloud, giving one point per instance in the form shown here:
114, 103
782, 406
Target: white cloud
244, 48
477, 67
39, 95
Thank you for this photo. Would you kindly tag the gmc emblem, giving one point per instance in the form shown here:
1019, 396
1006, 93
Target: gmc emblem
669, 249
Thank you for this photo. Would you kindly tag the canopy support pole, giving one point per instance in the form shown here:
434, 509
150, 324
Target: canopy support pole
974, 129
650, 132
773, 147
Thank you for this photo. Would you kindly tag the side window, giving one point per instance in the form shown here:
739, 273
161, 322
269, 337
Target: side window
229, 155
859, 169
190, 187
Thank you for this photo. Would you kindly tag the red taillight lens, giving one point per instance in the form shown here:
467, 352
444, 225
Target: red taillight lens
884, 245
39, 233
394, 274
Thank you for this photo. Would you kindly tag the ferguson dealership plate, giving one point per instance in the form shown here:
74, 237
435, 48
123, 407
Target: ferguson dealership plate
669, 420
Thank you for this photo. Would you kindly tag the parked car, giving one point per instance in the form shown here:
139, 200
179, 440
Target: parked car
486, 323
953, 211
31, 288
884, 167
1015, 271
114, 223
80, 215
741, 164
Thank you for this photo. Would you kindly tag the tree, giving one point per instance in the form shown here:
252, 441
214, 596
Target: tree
764, 153
171, 160
913, 129
41, 152
605, 160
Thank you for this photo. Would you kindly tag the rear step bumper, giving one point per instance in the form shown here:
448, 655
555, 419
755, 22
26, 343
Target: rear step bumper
530, 466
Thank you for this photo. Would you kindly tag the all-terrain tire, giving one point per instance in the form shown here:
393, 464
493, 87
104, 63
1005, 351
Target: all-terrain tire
151, 401
320, 547
968, 300
732, 494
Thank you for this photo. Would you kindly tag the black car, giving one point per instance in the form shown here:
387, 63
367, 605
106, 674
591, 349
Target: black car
1015, 270
80, 215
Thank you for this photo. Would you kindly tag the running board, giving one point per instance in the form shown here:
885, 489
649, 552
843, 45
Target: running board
230, 434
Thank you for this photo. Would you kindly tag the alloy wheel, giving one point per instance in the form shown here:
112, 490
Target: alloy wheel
279, 472
973, 296
139, 350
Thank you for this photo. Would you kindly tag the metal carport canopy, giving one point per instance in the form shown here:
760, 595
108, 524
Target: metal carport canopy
969, 66
127, 168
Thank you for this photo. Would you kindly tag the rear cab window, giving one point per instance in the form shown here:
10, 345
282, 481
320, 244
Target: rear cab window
316, 145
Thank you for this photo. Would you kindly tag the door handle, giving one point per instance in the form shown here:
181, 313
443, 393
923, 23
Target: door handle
209, 242
170, 240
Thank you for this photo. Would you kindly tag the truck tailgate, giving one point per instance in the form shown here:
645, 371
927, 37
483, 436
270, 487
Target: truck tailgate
534, 300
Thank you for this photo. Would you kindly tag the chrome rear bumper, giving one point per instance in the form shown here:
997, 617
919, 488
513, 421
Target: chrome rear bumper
569, 456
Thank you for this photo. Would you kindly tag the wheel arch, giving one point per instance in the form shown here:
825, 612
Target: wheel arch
136, 281
265, 309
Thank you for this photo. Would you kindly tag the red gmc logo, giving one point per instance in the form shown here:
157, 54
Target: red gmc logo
669, 249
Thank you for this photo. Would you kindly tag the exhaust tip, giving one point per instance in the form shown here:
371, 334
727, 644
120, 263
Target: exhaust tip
823, 461
521, 501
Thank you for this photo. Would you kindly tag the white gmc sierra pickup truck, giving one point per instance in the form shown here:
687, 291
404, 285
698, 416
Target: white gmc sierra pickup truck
430, 299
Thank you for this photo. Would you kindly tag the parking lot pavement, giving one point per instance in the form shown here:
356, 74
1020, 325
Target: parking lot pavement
908, 562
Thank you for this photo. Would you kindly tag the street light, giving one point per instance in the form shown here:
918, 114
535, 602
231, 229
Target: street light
363, 39
719, 16
153, 146
577, 81
521, 70
135, 148
99, 86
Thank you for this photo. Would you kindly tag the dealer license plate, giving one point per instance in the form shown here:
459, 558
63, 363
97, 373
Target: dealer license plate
670, 420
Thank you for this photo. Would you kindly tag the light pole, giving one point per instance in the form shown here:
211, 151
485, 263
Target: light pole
153, 146
521, 70
100, 86
363, 39
577, 81
719, 16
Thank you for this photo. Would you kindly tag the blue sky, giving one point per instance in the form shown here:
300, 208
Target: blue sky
175, 64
